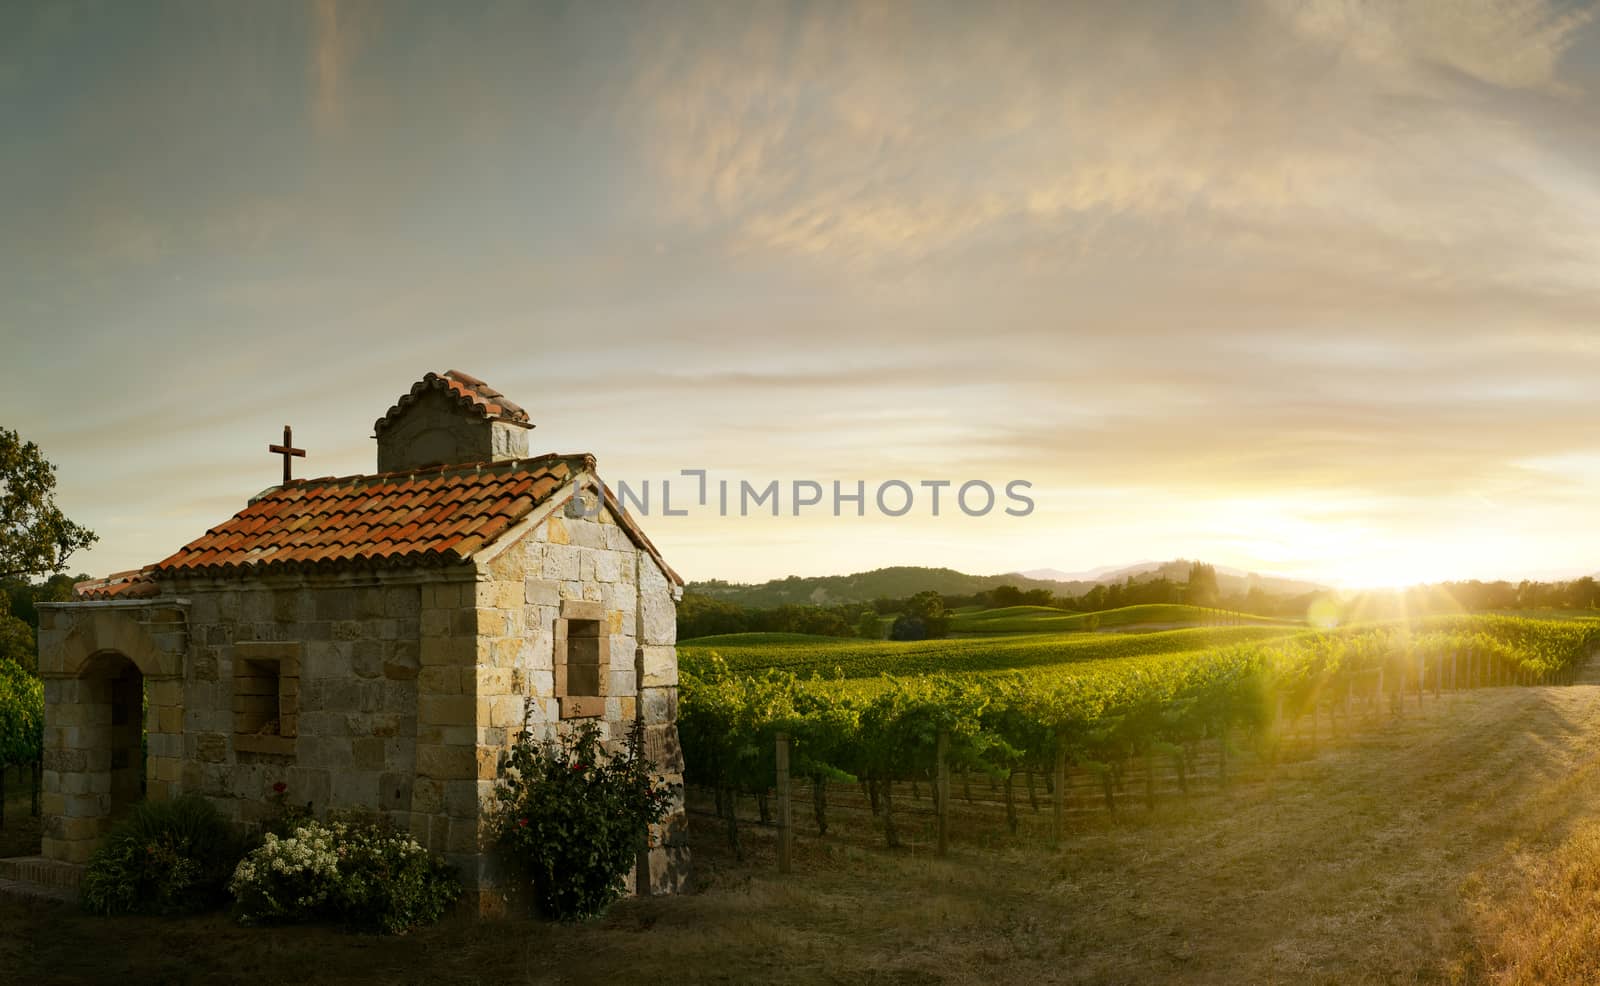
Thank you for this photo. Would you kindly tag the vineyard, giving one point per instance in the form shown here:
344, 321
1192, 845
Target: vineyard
21, 727
843, 657
1070, 708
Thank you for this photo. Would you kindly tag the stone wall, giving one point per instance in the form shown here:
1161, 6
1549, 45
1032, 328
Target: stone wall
581, 567
347, 657
93, 658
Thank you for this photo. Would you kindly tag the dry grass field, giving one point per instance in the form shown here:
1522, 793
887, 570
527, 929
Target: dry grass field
1461, 845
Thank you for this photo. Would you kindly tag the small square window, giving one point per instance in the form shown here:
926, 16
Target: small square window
582, 661
257, 705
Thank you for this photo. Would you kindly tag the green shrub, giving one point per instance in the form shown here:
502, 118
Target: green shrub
166, 857
572, 819
359, 874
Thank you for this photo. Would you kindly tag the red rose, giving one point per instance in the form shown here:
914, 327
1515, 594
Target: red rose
522, 823
577, 766
279, 788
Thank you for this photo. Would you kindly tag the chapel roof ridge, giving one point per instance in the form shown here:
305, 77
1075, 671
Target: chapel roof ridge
469, 393
576, 461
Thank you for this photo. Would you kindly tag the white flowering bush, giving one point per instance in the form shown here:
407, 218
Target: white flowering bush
363, 875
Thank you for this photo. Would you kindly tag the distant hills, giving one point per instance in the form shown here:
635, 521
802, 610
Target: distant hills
1229, 580
906, 580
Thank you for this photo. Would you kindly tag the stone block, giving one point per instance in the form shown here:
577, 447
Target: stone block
587, 533
488, 763
165, 692
435, 623
439, 680
506, 710
555, 530
369, 753
355, 789
367, 658
402, 602
660, 665
540, 592
394, 791
463, 836
662, 749
447, 710
211, 747
658, 619
483, 622
620, 679
427, 795
446, 762
335, 604
650, 574
659, 705
561, 563
308, 784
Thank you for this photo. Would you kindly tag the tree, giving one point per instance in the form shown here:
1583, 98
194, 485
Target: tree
869, 626
1202, 589
16, 642
929, 608
36, 538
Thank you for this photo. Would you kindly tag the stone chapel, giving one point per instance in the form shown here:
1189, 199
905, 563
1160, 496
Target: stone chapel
373, 642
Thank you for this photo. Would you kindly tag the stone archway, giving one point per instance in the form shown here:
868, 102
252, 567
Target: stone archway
100, 663
111, 693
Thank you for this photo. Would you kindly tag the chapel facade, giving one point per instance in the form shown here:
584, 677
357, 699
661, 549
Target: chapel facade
373, 642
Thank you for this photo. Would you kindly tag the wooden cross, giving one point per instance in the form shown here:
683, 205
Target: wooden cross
287, 450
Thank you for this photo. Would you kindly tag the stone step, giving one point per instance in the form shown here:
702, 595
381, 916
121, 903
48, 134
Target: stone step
27, 890
41, 871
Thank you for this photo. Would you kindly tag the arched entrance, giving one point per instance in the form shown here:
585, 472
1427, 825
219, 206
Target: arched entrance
111, 692
113, 716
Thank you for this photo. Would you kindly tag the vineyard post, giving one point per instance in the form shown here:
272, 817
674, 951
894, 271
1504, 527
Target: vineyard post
1222, 750
942, 788
1379, 697
891, 835
1060, 805
785, 831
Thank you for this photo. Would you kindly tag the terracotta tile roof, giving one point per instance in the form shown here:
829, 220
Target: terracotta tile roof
439, 515
123, 585
470, 392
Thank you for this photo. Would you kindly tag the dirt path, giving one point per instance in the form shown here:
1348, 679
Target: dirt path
1371, 864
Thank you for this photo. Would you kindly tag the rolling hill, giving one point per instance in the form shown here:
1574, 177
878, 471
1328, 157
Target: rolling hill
906, 580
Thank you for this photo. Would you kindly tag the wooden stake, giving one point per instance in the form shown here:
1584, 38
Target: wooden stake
1060, 805
942, 788
785, 830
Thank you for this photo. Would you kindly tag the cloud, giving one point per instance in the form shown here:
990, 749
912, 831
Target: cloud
1513, 44
824, 134
338, 29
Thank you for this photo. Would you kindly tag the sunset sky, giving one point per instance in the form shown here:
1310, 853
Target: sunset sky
1302, 287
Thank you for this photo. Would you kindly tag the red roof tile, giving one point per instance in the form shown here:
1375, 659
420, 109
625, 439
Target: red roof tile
123, 585
437, 515
470, 392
